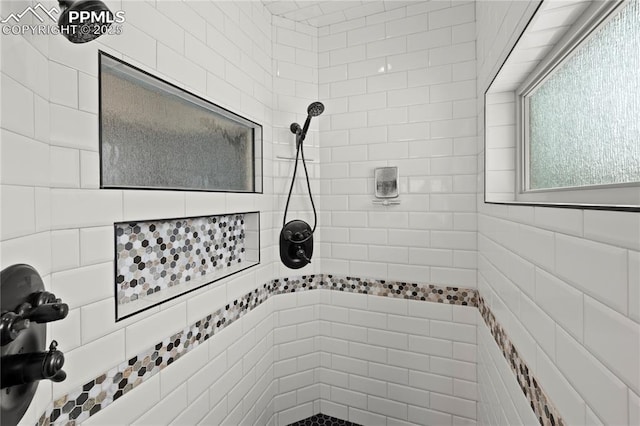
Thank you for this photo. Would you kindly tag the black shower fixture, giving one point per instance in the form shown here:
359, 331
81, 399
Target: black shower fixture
84, 20
296, 244
314, 110
25, 310
296, 236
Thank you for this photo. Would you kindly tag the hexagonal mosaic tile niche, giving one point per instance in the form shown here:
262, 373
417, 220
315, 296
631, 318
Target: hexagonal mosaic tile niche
157, 260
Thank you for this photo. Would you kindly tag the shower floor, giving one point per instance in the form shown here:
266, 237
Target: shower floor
322, 420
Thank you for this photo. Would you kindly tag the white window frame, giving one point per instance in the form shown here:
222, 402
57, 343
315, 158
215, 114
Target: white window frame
625, 195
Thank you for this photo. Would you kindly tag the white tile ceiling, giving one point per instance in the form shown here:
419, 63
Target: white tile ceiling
321, 13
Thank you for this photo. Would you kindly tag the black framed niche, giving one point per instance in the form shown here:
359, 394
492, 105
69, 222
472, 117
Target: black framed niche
157, 260
156, 135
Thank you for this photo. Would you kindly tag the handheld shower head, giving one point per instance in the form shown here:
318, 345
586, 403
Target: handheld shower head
315, 109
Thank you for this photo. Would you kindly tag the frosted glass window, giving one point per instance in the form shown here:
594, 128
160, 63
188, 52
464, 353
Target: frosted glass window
156, 135
584, 119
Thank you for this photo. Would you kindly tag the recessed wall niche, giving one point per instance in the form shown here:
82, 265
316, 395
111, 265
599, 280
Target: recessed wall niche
155, 135
159, 260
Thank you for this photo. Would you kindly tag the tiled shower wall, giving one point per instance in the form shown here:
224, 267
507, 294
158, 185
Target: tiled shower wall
55, 218
389, 361
400, 90
367, 358
563, 283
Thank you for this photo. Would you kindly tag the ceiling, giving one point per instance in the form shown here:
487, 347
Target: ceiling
321, 13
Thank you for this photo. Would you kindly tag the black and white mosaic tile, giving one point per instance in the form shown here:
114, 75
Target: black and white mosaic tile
323, 420
403, 290
541, 405
154, 255
98, 393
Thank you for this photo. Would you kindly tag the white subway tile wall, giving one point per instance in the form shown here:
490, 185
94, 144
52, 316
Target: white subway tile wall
393, 72
562, 282
399, 83
53, 215
275, 345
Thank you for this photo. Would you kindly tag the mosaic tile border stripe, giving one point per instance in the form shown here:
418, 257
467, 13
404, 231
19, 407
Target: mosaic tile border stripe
84, 402
541, 405
403, 290
100, 392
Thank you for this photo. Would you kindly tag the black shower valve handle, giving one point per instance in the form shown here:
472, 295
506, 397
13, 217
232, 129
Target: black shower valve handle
47, 312
297, 237
43, 307
11, 324
53, 363
24, 368
42, 297
302, 254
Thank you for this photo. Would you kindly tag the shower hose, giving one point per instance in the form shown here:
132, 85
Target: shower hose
300, 153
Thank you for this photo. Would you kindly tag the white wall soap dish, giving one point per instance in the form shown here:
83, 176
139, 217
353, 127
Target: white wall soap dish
386, 186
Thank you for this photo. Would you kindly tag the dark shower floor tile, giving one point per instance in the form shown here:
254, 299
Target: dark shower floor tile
322, 420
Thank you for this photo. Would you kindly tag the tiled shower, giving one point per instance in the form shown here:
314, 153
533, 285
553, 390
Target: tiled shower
440, 310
